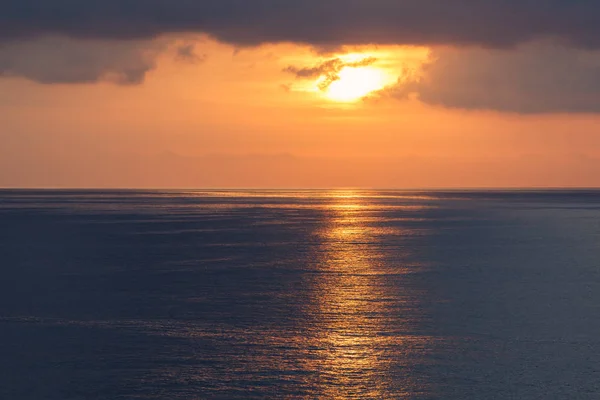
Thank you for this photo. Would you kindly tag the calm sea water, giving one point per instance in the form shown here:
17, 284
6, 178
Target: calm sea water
299, 294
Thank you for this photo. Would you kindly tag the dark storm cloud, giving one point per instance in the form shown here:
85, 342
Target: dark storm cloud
61, 60
491, 23
533, 78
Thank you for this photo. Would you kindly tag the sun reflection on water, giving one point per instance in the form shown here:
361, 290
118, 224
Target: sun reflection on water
353, 304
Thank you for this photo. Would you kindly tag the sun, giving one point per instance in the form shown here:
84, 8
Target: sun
354, 83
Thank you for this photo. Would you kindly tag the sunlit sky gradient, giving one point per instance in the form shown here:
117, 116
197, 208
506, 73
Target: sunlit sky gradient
189, 110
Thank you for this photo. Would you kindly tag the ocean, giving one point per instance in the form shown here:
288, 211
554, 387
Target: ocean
341, 294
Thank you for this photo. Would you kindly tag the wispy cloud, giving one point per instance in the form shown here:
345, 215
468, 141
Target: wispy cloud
329, 70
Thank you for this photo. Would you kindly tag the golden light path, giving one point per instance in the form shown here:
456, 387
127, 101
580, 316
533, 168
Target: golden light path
353, 328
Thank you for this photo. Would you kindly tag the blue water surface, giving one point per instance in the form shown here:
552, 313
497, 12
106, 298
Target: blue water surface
299, 294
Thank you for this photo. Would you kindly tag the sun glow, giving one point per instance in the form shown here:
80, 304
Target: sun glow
355, 83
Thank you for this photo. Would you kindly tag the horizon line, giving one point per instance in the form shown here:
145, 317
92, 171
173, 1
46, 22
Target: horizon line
431, 188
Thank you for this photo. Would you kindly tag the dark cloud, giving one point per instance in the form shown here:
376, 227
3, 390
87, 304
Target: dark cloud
60, 60
491, 23
328, 69
534, 78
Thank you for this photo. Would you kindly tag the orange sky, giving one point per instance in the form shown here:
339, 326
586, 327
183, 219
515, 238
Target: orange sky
235, 118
